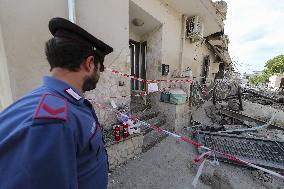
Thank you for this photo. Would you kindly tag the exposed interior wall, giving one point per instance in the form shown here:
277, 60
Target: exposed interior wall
5, 89
194, 58
214, 68
24, 31
113, 29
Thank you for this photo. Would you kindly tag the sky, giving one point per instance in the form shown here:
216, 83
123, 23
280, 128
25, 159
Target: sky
256, 32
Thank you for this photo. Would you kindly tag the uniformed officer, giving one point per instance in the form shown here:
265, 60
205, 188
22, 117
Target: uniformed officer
51, 138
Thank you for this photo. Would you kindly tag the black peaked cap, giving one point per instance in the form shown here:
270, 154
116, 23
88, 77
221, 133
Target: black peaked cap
60, 27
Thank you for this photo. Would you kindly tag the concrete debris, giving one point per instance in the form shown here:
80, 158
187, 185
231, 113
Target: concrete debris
253, 128
233, 104
264, 98
217, 108
269, 134
260, 114
227, 110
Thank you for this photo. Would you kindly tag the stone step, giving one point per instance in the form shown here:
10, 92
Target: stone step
139, 99
135, 108
152, 138
148, 114
156, 121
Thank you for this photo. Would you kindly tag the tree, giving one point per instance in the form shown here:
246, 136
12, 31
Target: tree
275, 65
272, 67
259, 79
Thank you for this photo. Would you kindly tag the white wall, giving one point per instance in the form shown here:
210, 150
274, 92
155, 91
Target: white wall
24, 31
274, 81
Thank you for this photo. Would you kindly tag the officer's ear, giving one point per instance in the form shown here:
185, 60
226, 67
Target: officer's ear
89, 64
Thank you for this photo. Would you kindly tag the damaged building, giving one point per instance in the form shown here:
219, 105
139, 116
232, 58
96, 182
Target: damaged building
169, 70
157, 41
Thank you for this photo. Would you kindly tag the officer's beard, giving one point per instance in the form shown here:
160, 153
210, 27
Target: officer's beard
90, 82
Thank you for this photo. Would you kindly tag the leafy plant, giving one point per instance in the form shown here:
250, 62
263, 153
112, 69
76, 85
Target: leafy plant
272, 67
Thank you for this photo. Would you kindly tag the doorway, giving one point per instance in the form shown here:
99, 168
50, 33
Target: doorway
138, 54
205, 69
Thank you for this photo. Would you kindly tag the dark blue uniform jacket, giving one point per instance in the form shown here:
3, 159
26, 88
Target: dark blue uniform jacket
51, 139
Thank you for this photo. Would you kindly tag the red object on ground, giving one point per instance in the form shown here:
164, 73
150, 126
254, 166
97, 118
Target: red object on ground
117, 132
125, 130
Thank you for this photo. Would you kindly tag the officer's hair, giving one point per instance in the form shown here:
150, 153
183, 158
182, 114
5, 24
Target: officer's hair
67, 53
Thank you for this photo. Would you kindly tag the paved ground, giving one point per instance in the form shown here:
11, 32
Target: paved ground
169, 165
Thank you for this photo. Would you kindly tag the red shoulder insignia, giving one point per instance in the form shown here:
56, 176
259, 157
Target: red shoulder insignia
52, 106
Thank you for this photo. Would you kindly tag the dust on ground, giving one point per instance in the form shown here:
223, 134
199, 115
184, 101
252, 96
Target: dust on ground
170, 165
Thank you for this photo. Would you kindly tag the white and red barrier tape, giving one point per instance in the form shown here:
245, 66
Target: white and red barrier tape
205, 155
196, 144
132, 94
149, 81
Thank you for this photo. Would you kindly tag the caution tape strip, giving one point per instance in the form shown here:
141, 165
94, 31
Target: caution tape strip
195, 143
149, 81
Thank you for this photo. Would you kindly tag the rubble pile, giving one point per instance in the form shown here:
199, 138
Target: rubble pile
225, 109
243, 122
270, 98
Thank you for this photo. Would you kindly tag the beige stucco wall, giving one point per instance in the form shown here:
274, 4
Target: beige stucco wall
5, 89
24, 31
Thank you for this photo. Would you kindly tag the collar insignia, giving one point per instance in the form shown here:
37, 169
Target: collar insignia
73, 94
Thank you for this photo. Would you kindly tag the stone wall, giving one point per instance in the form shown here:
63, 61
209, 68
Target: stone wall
182, 116
120, 152
177, 116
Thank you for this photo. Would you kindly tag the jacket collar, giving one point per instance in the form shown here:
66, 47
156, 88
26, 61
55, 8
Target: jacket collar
63, 89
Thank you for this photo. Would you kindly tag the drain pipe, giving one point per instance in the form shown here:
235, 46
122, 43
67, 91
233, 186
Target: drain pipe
71, 11
183, 36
